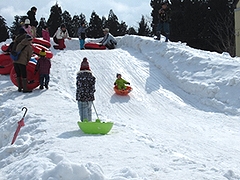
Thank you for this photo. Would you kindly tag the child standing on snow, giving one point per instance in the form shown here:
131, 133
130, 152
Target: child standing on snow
45, 33
85, 91
43, 66
120, 83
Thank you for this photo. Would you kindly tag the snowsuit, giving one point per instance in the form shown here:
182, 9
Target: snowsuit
120, 83
45, 35
109, 41
43, 66
85, 83
59, 37
163, 23
82, 36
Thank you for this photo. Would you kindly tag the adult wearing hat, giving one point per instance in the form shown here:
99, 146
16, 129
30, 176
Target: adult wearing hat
108, 40
25, 46
85, 83
33, 22
43, 67
60, 36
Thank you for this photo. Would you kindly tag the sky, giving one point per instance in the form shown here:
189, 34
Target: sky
180, 121
126, 10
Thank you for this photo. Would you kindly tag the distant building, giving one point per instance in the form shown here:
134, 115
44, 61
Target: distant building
237, 27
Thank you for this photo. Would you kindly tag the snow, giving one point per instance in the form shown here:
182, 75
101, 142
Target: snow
181, 121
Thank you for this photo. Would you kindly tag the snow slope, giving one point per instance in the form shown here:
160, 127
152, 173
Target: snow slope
181, 121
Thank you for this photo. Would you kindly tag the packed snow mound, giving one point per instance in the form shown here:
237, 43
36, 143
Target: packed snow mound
213, 78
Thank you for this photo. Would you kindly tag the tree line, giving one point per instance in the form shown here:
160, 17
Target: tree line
202, 24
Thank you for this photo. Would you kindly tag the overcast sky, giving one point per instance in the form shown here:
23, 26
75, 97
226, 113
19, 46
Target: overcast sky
129, 11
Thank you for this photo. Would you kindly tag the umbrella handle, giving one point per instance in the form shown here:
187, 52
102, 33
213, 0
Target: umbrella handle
25, 111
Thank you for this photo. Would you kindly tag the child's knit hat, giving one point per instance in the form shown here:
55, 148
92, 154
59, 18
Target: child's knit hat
42, 53
84, 64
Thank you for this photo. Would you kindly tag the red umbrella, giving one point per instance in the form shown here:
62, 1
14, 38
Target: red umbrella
20, 124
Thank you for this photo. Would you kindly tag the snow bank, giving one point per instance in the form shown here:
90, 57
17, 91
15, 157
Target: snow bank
213, 78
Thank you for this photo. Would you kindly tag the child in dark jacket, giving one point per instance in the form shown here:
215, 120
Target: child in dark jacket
43, 66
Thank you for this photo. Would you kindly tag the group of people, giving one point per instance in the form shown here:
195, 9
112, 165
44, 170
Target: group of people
22, 44
62, 33
85, 83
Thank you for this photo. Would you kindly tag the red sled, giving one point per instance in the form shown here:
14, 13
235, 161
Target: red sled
4, 47
6, 64
38, 47
93, 45
32, 79
42, 42
122, 92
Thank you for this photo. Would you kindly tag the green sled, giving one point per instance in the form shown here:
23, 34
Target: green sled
96, 127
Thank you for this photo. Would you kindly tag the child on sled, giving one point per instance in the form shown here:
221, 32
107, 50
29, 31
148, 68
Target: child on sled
120, 83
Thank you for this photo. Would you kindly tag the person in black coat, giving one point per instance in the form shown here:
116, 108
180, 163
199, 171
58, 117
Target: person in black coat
33, 22
163, 21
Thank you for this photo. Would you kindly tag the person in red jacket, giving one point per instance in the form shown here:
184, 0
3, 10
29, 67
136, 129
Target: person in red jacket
43, 66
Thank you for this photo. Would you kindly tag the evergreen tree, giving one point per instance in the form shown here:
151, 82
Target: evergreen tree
83, 18
95, 26
3, 29
16, 25
132, 31
203, 24
144, 29
67, 20
156, 5
55, 19
122, 29
75, 25
112, 23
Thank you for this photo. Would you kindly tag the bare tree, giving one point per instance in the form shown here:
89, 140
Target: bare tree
222, 31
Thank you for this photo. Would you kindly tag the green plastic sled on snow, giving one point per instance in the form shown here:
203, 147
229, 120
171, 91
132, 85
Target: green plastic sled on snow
96, 127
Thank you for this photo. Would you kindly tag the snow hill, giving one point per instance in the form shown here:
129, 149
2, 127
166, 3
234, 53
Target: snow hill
181, 121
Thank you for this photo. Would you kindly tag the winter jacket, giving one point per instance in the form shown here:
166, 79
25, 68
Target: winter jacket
43, 65
164, 15
32, 18
120, 83
26, 53
60, 34
17, 40
82, 32
109, 41
45, 35
85, 86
